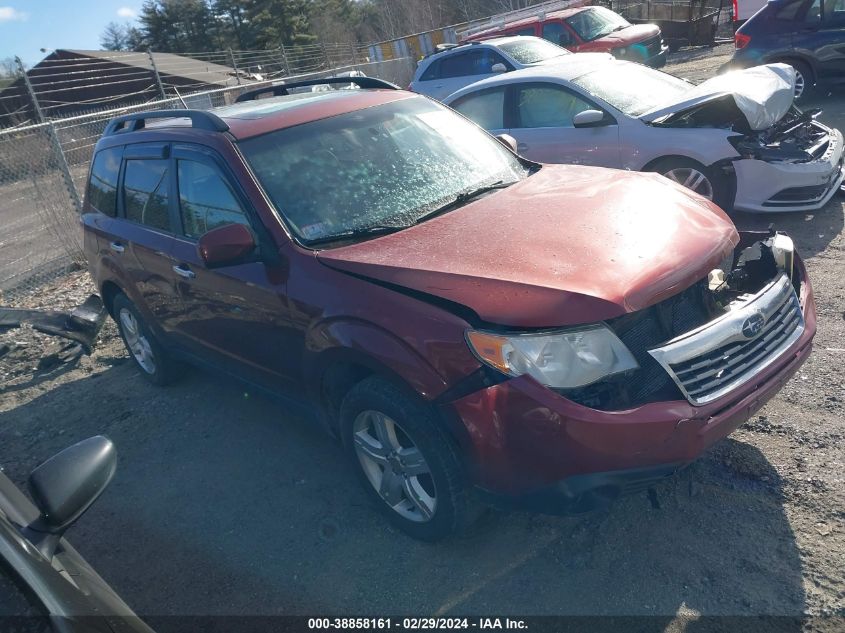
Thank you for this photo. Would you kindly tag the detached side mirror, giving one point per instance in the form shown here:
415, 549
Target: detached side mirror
588, 118
66, 485
508, 141
225, 245
499, 68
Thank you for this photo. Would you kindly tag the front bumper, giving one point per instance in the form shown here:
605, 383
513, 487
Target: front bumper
770, 187
532, 447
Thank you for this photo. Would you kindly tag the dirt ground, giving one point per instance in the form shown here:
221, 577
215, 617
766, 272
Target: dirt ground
227, 503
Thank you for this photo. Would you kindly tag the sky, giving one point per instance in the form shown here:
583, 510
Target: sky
27, 26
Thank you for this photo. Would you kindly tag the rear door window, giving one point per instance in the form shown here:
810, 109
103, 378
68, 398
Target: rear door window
834, 12
485, 107
432, 72
206, 201
145, 192
789, 11
462, 64
102, 188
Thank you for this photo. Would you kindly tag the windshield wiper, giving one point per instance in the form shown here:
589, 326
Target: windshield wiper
367, 231
462, 198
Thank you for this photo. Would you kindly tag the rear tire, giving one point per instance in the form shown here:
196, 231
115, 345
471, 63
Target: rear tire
705, 181
144, 350
407, 464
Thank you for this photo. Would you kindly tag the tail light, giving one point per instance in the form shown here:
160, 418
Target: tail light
741, 40
736, 10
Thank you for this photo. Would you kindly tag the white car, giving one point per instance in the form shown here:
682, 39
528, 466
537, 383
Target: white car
736, 139
441, 74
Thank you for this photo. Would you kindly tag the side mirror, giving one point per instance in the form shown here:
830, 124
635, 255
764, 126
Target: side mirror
588, 118
225, 245
508, 141
66, 485
499, 68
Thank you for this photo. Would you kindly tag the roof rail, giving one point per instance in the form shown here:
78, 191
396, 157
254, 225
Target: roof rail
199, 119
282, 89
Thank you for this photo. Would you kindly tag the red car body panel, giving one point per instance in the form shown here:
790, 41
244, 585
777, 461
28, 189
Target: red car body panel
569, 245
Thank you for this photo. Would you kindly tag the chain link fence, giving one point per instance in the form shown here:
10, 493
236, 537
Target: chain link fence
44, 167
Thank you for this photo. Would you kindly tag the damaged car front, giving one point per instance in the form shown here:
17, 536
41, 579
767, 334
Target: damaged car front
779, 157
614, 340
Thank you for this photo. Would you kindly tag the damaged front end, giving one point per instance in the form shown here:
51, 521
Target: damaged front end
785, 159
796, 165
714, 336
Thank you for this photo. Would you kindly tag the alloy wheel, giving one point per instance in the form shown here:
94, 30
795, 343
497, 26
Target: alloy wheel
693, 179
394, 466
138, 344
800, 83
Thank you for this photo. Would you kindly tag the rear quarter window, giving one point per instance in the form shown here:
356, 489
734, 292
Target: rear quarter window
432, 72
102, 188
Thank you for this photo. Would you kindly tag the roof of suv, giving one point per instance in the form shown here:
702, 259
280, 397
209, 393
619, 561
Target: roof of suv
253, 118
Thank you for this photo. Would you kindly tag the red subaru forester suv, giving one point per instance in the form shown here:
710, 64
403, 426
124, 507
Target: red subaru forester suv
472, 325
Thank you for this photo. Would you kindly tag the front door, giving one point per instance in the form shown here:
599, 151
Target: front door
542, 124
234, 316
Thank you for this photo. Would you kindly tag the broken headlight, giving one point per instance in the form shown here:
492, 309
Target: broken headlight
561, 360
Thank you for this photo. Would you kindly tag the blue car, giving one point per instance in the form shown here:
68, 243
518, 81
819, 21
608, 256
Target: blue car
809, 35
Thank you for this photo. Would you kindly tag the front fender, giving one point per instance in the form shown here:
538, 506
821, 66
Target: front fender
364, 343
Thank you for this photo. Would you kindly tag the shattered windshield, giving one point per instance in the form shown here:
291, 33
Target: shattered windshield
632, 88
385, 166
596, 22
531, 50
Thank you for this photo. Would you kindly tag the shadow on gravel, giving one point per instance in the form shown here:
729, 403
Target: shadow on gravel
223, 503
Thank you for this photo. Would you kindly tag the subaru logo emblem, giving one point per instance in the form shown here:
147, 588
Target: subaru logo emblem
752, 325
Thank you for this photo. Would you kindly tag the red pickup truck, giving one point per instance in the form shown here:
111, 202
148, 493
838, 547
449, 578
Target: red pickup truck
590, 30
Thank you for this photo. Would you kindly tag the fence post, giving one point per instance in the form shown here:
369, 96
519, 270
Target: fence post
55, 141
354, 55
155, 73
285, 58
235, 66
326, 54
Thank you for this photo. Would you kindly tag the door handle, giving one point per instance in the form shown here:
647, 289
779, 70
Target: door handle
117, 247
187, 273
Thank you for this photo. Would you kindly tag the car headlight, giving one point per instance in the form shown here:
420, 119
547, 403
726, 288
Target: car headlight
783, 250
561, 360
620, 52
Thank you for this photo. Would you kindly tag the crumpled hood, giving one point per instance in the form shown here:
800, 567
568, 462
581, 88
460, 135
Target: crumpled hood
568, 245
763, 94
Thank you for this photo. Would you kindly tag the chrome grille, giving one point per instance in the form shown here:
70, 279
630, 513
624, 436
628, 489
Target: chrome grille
718, 357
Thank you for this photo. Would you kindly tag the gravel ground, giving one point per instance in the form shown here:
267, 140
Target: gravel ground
227, 503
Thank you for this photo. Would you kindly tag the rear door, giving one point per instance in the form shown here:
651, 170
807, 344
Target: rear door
542, 123
234, 316
141, 238
830, 41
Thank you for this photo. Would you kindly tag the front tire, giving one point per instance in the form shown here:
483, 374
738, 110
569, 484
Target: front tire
706, 182
407, 464
804, 82
144, 350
